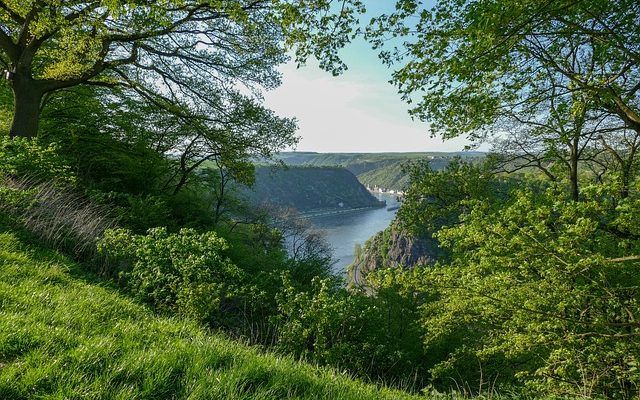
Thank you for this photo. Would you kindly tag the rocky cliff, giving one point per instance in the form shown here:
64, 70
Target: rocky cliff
394, 248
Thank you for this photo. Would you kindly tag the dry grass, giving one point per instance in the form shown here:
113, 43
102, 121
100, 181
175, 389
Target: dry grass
57, 216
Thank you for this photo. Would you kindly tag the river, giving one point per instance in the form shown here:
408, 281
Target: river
343, 231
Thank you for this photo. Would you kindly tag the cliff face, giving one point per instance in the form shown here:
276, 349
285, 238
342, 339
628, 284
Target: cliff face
310, 188
394, 248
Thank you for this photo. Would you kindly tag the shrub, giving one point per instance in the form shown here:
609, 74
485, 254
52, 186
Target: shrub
28, 157
185, 273
373, 336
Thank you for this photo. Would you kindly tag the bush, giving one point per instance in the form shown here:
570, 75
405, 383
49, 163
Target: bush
28, 157
185, 273
373, 336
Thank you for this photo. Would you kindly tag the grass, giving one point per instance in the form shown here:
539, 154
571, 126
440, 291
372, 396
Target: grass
66, 335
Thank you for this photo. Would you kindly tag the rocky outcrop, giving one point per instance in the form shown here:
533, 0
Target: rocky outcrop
394, 248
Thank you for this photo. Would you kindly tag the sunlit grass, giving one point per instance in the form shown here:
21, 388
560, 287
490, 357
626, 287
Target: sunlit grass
63, 335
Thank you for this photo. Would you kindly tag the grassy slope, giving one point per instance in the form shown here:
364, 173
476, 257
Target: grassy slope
64, 335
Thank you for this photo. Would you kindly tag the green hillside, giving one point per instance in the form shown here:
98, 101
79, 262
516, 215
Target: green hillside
65, 335
376, 169
390, 176
310, 188
346, 159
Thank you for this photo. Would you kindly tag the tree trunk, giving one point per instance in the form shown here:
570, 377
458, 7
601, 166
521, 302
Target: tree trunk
575, 190
625, 180
27, 97
573, 173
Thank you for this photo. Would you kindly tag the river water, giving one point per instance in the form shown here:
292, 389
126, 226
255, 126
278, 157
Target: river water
343, 231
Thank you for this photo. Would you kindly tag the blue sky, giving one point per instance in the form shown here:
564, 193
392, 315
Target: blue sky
359, 111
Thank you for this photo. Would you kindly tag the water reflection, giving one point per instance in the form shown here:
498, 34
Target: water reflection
343, 231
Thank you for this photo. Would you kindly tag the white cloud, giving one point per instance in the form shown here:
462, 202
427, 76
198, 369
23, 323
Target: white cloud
350, 114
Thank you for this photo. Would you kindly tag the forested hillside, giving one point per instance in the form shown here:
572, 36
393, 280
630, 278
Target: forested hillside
382, 170
310, 189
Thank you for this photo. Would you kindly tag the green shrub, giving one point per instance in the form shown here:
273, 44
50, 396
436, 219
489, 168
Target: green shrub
28, 157
373, 336
185, 273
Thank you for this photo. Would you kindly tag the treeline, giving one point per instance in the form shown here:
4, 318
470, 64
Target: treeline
381, 170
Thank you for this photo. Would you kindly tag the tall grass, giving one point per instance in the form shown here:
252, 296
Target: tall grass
59, 217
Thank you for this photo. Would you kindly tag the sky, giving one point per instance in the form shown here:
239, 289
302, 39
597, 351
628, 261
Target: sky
358, 111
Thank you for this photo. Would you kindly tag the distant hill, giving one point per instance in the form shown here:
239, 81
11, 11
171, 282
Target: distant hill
375, 169
310, 189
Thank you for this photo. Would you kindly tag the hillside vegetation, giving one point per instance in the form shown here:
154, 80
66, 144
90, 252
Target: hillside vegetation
383, 170
127, 126
54, 343
310, 188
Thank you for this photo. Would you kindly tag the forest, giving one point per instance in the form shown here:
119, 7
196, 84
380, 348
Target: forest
130, 268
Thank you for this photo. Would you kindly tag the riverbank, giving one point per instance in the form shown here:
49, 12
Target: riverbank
320, 213
345, 230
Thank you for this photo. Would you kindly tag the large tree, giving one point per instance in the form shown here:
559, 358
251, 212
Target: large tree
467, 63
567, 70
193, 52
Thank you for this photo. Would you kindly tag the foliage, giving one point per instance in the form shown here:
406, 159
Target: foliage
542, 288
228, 283
115, 143
137, 212
373, 336
145, 164
392, 176
37, 193
64, 334
194, 56
307, 249
556, 82
186, 273
438, 198
31, 158
475, 59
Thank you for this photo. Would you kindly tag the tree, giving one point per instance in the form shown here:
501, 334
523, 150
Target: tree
193, 52
435, 199
566, 68
243, 131
543, 290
